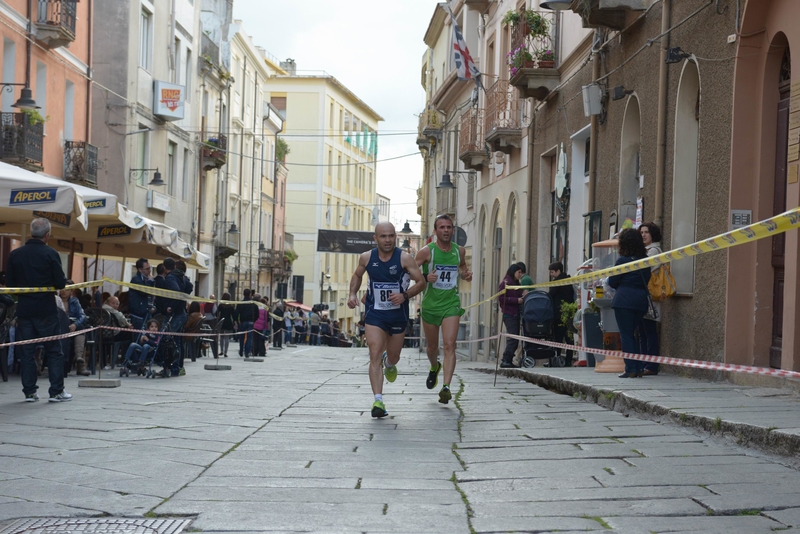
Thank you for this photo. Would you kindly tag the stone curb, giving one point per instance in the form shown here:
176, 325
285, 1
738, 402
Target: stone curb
747, 435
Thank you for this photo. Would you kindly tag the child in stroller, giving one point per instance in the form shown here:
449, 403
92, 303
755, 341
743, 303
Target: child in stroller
139, 355
538, 320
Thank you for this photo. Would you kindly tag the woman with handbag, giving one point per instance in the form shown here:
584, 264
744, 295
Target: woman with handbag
631, 298
648, 327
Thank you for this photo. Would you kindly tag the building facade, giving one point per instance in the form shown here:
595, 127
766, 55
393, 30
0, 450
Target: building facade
47, 49
332, 140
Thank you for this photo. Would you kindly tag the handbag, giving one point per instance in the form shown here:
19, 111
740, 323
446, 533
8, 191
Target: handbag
662, 284
652, 313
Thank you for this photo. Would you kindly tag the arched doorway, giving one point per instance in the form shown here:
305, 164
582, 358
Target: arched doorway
629, 164
684, 187
778, 256
496, 268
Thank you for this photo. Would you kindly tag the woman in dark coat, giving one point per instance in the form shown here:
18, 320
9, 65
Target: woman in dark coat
630, 301
510, 302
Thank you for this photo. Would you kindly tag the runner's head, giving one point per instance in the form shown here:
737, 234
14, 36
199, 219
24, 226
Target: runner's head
385, 236
443, 226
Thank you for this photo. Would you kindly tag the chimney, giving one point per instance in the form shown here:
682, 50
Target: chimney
289, 66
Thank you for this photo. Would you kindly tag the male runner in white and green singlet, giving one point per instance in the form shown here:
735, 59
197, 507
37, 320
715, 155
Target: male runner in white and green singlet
442, 262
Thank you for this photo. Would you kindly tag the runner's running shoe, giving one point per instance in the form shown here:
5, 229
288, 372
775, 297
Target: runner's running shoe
433, 376
378, 409
389, 372
445, 395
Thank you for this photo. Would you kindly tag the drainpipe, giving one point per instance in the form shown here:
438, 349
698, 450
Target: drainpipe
89, 22
661, 139
595, 126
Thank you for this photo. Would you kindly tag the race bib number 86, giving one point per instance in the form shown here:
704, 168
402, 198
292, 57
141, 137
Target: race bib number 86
382, 291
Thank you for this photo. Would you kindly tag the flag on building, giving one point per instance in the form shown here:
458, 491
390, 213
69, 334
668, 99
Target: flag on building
465, 65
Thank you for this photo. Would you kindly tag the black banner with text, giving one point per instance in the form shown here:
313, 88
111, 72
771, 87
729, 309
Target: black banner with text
344, 241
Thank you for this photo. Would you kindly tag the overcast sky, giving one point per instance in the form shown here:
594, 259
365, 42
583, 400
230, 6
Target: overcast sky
374, 48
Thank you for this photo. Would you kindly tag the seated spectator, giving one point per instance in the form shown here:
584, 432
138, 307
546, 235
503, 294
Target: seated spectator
194, 317
137, 352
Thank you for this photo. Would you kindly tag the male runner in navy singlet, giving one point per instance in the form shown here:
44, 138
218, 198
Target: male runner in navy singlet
390, 271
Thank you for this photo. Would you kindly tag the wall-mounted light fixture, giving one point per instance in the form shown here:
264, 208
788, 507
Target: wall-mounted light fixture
26, 101
447, 183
156, 181
619, 92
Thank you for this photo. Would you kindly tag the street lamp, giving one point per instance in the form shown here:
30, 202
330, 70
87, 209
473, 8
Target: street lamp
407, 227
322, 276
556, 5
156, 181
26, 101
447, 183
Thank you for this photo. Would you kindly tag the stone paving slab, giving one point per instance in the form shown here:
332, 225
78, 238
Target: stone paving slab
284, 447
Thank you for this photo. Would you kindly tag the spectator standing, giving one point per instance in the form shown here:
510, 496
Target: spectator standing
559, 295
648, 328
225, 313
288, 323
139, 303
277, 325
260, 325
174, 309
630, 301
313, 323
36, 265
245, 315
299, 327
509, 304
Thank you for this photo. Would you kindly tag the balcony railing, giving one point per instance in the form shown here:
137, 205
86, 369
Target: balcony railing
532, 40
80, 163
471, 142
215, 151
56, 23
22, 141
270, 260
226, 244
503, 121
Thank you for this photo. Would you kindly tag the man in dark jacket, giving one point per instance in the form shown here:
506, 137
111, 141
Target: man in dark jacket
37, 265
559, 295
138, 302
277, 326
245, 315
175, 308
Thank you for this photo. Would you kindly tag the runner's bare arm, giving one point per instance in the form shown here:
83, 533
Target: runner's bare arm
466, 274
423, 257
411, 267
355, 280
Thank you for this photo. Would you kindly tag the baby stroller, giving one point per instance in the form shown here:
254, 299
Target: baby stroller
165, 353
538, 321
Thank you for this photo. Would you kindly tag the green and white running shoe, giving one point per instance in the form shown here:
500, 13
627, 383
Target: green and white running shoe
378, 409
445, 395
389, 372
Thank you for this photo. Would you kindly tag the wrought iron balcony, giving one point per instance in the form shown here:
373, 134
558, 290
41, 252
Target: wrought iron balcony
471, 144
215, 151
532, 59
270, 260
56, 24
22, 141
226, 244
80, 163
503, 120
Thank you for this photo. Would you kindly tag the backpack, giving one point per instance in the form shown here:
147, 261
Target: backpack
662, 284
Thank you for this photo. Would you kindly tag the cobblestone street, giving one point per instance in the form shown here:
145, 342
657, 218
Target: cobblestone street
288, 445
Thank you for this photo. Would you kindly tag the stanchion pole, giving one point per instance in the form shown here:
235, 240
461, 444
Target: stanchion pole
216, 366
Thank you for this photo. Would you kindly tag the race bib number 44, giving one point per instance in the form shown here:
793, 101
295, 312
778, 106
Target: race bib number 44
448, 276
382, 291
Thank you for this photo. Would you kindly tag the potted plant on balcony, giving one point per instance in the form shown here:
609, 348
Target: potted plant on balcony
213, 156
519, 58
544, 59
536, 23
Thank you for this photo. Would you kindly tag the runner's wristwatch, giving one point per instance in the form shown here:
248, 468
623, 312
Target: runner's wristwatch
405, 296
